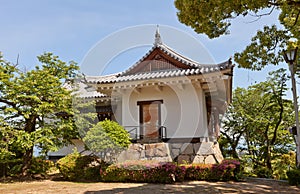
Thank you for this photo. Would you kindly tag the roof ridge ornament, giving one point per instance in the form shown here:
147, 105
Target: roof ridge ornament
157, 37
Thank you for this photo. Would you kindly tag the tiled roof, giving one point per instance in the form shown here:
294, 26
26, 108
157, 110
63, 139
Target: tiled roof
84, 91
201, 69
195, 68
164, 48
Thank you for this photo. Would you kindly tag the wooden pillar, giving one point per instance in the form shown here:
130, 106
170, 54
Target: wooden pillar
216, 122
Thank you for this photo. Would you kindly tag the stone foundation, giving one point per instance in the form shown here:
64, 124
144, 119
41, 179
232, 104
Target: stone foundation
204, 152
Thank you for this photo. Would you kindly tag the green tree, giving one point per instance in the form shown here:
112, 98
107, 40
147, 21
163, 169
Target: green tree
258, 119
107, 137
30, 103
213, 18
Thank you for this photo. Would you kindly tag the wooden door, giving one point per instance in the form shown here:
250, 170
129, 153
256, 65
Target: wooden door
150, 119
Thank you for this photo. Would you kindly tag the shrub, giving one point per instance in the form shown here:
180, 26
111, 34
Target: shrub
41, 166
294, 176
107, 137
143, 171
282, 164
227, 170
76, 167
38, 166
263, 172
13, 167
197, 171
160, 172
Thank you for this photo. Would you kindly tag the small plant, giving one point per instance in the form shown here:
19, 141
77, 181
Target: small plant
197, 171
38, 166
263, 172
41, 166
76, 167
227, 170
294, 176
107, 137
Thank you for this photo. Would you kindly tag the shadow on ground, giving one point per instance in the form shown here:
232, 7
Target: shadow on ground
249, 186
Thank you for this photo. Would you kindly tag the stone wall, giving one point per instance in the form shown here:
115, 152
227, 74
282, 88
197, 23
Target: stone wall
204, 152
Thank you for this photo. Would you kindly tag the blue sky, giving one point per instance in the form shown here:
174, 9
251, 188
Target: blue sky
72, 28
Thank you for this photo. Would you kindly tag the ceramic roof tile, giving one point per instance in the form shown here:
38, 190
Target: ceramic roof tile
115, 78
195, 69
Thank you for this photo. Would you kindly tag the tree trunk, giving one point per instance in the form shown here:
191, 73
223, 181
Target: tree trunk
268, 159
27, 161
27, 156
234, 152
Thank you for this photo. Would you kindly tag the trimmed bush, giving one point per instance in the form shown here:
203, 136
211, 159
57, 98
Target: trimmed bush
263, 172
41, 166
143, 171
158, 172
38, 166
294, 177
198, 171
227, 170
76, 167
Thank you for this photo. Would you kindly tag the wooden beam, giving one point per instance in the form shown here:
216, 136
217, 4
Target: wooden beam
181, 86
137, 90
158, 88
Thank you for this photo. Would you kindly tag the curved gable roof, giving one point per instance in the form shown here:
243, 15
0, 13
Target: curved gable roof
161, 61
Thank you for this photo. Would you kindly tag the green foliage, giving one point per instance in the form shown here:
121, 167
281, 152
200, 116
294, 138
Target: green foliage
197, 172
227, 170
294, 177
214, 19
157, 172
76, 167
143, 171
14, 167
261, 52
282, 164
29, 103
41, 166
258, 120
262, 172
107, 136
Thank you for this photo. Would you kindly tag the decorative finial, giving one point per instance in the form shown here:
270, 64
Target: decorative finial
157, 37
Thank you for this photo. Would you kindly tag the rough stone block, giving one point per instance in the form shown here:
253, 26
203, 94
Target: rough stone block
196, 147
206, 148
162, 159
188, 150
149, 146
175, 153
161, 152
143, 155
128, 155
149, 152
210, 160
198, 159
176, 145
218, 154
183, 147
183, 159
134, 146
160, 146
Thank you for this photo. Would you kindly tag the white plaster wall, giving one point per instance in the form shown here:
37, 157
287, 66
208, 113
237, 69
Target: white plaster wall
78, 144
183, 110
118, 112
192, 112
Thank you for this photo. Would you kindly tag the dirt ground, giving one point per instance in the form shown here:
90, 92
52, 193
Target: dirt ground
62, 187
